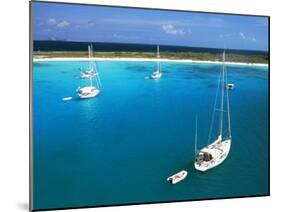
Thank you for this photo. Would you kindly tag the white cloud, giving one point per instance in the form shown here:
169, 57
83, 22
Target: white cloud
246, 37
195, 22
63, 24
170, 29
242, 35
52, 22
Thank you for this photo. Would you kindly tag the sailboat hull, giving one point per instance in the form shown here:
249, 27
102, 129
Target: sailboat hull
88, 92
212, 155
88, 75
156, 75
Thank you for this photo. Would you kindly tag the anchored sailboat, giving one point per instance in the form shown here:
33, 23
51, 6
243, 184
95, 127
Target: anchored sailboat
91, 91
89, 73
157, 74
215, 153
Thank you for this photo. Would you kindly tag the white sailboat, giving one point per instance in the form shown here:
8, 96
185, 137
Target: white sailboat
89, 73
157, 74
91, 91
215, 153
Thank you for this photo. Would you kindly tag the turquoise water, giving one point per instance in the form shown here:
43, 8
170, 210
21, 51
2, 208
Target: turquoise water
120, 147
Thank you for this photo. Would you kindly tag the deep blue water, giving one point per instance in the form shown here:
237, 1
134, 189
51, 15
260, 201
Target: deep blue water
120, 147
48, 45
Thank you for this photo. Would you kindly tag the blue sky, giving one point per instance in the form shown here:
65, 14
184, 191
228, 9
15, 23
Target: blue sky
124, 25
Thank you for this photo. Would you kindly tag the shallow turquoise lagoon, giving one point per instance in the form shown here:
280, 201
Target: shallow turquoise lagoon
120, 147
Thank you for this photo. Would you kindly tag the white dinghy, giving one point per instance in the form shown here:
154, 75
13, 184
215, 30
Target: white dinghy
176, 178
215, 153
67, 98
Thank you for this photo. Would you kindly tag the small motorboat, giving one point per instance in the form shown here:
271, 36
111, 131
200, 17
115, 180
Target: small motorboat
66, 98
176, 178
230, 86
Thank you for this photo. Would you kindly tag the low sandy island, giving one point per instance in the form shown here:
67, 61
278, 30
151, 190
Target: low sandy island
147, 60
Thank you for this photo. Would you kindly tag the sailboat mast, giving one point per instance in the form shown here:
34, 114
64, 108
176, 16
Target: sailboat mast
195, 147
228, 107
92, 56
91, 81
90, 67
89, 56
95, 68
222, 93
158, 56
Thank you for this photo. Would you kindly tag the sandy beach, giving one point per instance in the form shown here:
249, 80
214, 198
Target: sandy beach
147, 60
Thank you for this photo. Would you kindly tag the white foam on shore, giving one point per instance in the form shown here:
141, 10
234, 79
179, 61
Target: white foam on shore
147, 60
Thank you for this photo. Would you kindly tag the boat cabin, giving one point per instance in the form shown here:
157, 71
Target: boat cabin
203, 157
230, 86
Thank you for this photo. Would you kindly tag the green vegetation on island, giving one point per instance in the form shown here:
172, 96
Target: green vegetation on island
231, 57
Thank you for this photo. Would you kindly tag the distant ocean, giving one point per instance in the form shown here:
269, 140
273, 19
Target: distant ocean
109, 47
120, 147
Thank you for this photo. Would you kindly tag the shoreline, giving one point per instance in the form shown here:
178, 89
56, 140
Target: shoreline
147, 60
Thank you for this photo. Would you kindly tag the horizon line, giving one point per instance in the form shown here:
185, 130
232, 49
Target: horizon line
148, 44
